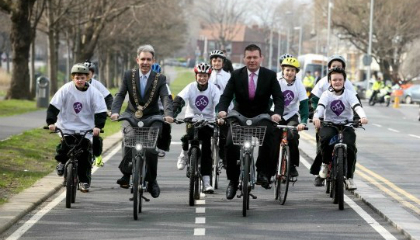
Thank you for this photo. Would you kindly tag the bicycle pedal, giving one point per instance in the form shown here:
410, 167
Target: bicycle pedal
253, 196
239, 195
145, 199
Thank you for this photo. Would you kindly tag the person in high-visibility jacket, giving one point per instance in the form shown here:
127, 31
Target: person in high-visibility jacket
377, 86
308, 82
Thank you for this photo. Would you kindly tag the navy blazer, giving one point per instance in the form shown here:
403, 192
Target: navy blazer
267, 87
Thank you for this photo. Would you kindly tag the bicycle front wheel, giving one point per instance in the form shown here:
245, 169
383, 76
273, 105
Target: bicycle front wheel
245, 183
136, 182
69, 185
339, 183
193, 176
75, 184
283, 181
215, 169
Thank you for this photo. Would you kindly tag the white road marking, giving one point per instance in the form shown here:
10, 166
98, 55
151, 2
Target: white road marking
200, 220
362, 213
176, 143
374, 124
199, 231
415, 136
200, 202
35, 218
200, 210
393, 130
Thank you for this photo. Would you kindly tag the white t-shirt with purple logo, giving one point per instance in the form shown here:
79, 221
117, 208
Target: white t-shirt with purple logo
338, 108
200, 103
100, 87
77, 108
292, 95
323, 85
220, 79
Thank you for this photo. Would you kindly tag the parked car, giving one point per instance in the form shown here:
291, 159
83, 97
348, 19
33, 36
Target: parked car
360, 88
412, 94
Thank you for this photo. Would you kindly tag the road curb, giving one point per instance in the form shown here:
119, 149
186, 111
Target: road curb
23, 203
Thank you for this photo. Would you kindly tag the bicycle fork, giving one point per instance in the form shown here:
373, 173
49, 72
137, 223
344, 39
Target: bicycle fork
251, 172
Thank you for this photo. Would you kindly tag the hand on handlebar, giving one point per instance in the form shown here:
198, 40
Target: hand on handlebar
364, 121
222, 114
317, 122
114, 116
96, 131
52, 127
276, 118
168, 119
301, 127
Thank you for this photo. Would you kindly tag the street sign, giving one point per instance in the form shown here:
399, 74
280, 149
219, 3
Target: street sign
367, 60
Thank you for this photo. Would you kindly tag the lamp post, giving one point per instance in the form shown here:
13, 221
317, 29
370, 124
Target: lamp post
300, 39
369, 53
270, 52
278, 44
288, 13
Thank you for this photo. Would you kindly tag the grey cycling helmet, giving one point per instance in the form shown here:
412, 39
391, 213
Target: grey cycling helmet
284, 56
79, 68
336, 58
217, 53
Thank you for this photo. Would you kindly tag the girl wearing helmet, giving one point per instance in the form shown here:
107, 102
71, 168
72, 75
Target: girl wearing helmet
201, 98
295, 105
77, 107
282, 57
337, 105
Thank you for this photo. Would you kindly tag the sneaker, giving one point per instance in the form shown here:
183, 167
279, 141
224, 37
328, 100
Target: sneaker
350, 185
98, 161
207, 188
324, 171
293, 171
84, 187
182, 160
60, 169
161, 153
318, 182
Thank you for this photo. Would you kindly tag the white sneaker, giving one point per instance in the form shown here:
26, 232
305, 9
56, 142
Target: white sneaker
350, 185
182, 160
207, 187
324, 171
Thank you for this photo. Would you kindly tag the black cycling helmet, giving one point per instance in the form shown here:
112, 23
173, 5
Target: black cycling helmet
284, 56
336, 70
217, 53
89, 65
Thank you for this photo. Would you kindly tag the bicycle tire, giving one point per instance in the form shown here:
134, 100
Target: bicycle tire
327, 185
75, 184
285, 176
136, 181
333, 174
245, 181
198, 179
142, 182
339, 195
69, 184
215, 169
276, 176
193, 161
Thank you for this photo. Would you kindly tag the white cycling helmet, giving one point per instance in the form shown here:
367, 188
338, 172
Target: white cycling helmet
217, 53
336, 58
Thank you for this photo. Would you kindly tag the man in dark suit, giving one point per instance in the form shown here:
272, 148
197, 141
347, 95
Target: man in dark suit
144, 89
251, 99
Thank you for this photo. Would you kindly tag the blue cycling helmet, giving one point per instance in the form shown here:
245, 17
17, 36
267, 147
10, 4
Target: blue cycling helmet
156, 67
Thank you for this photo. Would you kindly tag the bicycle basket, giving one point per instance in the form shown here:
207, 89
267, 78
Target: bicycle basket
147, 136
240, 134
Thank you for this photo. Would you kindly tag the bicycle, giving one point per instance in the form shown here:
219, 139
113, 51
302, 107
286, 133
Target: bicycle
337, 167
194, 158
71, 178
282, 176
247, 134
141, 138
217, 164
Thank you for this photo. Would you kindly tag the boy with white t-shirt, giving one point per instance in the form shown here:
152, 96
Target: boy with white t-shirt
337, 106
202, 98
77, 107
295, 106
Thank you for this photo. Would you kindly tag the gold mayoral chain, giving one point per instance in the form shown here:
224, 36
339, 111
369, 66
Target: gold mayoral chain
139, 112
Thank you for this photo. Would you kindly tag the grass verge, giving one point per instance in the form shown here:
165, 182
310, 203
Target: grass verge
14, 107
28, 157
183, 78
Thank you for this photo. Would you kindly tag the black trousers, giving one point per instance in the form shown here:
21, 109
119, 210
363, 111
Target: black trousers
293, 141
349, 138
151, 158
84, 159
263, 164
204, 134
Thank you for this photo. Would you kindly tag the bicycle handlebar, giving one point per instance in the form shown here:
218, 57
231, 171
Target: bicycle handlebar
290, 127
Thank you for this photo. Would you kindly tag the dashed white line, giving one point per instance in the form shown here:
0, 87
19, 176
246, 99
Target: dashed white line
200, 220
374, 124
199, 231
200, 210
393, 130
200, 202
415, 136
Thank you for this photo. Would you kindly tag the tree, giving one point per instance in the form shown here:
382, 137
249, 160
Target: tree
21, 35
394, 27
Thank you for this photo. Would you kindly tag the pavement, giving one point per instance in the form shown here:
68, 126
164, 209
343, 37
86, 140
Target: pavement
17, 124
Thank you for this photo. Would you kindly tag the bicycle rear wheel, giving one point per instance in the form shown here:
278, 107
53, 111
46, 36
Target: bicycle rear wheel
75, 184
69, 184
339, 195
245, 182
193, 176
136, 182
284, 179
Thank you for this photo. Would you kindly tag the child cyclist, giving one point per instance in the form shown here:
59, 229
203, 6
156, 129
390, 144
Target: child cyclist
77, 107
295, 104
220, 78
108, 100
202, 98
336, 105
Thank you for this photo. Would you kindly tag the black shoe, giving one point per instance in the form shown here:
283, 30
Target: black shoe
293, 171
231, 190
60, 169
318, 182
124, 182
154, 189
261, 179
